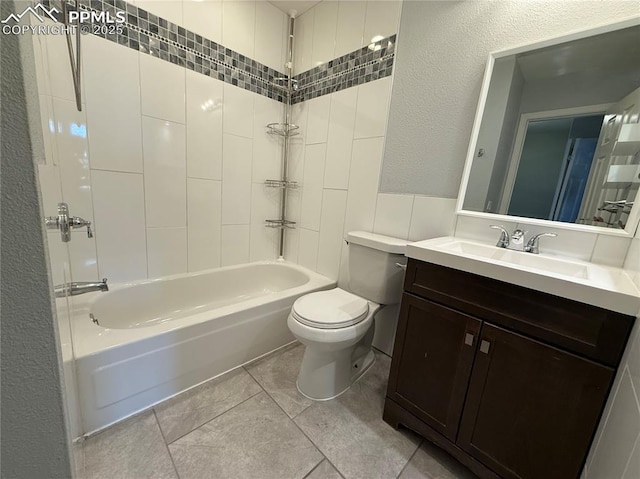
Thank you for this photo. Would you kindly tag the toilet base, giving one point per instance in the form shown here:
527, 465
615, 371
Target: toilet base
323, 378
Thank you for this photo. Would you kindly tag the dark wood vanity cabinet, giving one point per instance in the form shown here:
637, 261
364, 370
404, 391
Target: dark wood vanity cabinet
510, 381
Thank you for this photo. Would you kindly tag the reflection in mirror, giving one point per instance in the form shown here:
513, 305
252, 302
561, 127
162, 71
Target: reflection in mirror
560, 133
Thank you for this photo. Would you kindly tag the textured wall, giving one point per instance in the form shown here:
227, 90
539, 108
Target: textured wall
35, 443
442, 51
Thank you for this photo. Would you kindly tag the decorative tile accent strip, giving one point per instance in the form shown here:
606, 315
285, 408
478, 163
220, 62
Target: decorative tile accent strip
361, 66
150, 34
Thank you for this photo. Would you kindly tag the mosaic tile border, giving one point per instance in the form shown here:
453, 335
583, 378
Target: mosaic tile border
367, 64
153, 35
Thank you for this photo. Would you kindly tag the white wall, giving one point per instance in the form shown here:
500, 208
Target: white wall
437, 85
616, 449
166, 162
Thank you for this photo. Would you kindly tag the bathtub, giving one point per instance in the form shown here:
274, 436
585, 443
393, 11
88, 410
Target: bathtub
143, 342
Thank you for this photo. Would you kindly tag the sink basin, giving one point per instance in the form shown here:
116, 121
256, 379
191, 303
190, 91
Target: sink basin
598, 285
535, 261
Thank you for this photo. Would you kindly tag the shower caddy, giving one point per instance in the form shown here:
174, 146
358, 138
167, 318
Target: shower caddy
285, 130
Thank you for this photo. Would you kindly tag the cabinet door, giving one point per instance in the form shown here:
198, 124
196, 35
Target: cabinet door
432, 362
531, 409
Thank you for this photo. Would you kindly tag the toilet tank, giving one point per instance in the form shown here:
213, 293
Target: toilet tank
373, 270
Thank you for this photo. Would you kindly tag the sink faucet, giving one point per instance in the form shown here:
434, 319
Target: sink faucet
532, 244
73, 289
515, 241
510, 241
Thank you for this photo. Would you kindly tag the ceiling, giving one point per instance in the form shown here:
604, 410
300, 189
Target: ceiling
300, 6
615, 52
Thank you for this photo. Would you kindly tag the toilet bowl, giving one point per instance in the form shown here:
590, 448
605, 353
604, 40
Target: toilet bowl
337, 326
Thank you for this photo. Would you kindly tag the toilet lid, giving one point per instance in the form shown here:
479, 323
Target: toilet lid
331, 309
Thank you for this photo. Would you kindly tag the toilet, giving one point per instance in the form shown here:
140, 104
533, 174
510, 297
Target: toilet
337, 326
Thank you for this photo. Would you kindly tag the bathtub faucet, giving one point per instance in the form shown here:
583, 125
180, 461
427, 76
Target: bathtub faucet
73, 289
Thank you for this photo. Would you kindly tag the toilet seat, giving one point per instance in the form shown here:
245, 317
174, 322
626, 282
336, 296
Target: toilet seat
333, 309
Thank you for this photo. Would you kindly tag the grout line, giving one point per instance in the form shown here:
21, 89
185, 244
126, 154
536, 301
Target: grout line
410, 458
166, 446
144, 192
218, 415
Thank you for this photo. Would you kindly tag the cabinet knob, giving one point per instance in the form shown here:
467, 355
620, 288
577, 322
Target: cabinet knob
468, 339
484, 346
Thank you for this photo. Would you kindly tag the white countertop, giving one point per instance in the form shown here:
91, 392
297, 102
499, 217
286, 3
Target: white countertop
594, 284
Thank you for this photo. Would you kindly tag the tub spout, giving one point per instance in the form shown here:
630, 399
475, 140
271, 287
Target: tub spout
73, 289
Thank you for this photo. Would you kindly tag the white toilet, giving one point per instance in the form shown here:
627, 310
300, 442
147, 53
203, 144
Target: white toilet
337, 326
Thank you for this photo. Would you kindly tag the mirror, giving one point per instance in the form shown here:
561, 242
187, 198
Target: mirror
557, 133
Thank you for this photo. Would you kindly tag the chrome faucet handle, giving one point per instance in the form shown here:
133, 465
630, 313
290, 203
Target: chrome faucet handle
77, 222
65, 223
503, 241
533, 243
518, 236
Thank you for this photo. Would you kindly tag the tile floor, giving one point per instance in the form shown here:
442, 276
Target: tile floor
253, 423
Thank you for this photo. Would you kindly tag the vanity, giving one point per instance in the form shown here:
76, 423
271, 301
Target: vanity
508, 379
505, 359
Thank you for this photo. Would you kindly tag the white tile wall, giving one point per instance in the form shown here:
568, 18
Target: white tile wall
152, 173
118, 204
235, 244
163, 89
270, 35
168, 9
350, 28
312, 186
237, 111
265, 204
204, 18
432, 217
236, 184
324, 32
267, 149
371, 112
204, 223
393, 215
340, 138
331, 241
204, 126
318, 119
73, 157
165, 172
382, 20
331, 29
303, 32
238, 26
113, 105
308, 248
366, 160
166, 251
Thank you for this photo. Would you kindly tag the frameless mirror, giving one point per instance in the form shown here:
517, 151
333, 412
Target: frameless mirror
557, 133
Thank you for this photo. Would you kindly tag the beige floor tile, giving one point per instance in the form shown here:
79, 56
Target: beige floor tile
253, 440
350, 431
277, 375
324, 471
133, 449
431, 462
191, 409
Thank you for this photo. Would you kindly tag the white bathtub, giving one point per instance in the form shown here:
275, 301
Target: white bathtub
156, 338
